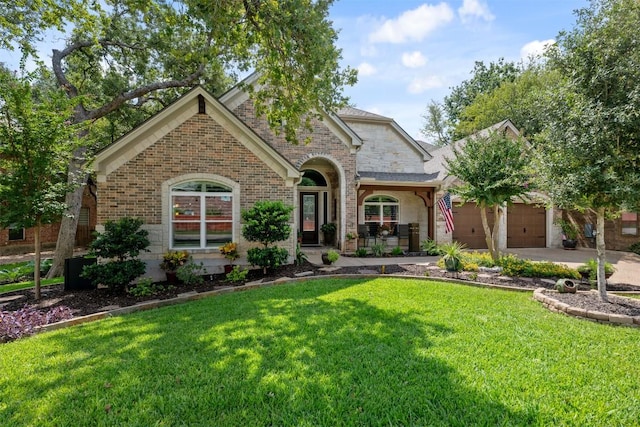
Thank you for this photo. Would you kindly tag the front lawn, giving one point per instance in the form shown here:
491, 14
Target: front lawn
329, 352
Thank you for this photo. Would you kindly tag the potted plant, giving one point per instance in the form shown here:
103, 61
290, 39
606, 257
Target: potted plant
329, 231
565, 286
384, 230
569, 234
589, 270
330, 257
171, 261
230, 252
351, 238
452, 255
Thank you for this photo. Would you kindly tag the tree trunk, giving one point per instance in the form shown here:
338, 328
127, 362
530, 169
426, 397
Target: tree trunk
495, 233
36, 263
69, 224
600, 249
488, 237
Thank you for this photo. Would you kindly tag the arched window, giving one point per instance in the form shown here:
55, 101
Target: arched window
382, 210
202, 215
312, 178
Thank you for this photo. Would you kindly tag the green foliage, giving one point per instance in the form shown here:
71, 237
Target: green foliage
569, 229
237, 275
146, 287
172, 260
480, 258
361, 252
635, 248
267, 222
267, 258
16, 274
378, 249
452, 255
514, 266
590, 267
435, 126
484, 80
121, 243
329, 228
430, 247
191, 272
397, 251
301, 257
332, 255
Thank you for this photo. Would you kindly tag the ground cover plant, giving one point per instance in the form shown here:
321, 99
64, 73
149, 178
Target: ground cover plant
329, 352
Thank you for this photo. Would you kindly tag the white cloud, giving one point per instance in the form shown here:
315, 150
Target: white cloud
471, 9
421, 84
366, 69
535, 48
413, 25
413, 59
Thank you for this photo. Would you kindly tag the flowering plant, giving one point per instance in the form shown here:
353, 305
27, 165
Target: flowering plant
230, 251
384, 227
172, 260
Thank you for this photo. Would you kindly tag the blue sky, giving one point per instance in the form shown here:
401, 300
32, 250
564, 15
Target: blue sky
409, 51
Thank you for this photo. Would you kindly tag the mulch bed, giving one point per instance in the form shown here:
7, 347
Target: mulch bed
88, 302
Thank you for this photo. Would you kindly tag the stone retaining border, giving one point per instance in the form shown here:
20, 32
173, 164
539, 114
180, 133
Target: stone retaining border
545, 296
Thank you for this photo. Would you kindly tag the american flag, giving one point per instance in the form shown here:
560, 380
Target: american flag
445, 207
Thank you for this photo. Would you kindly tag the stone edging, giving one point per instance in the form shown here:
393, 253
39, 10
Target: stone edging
544, 296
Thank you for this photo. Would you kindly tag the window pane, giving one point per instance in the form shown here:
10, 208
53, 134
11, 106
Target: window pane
186, 208
219, 233
186, 235
379, 199
210, 187
390, 213
16, 233
371, 213
219, 208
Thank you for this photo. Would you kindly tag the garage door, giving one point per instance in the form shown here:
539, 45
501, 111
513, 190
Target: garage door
526, 226
468, 226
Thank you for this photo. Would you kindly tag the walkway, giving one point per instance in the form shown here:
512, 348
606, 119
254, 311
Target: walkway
627, 264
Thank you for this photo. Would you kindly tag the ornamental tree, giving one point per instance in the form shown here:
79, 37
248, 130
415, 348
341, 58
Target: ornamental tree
589, 150
267, 222
119, 55
36, 142
492, 171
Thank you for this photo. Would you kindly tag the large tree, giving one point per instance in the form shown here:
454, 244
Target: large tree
36, 142
589, 152
493, 172
123, 54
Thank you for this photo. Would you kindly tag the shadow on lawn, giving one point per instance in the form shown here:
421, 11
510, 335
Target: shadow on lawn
321, 353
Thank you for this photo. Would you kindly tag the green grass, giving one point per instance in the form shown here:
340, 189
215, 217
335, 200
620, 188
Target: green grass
10, 287
329, 352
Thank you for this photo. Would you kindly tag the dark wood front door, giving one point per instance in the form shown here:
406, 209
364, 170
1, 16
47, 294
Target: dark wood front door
309, 218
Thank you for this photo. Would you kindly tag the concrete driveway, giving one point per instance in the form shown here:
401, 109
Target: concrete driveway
627, 264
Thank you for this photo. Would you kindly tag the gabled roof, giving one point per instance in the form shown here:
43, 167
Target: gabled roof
237, 96
128, 146
438, 165
351, 114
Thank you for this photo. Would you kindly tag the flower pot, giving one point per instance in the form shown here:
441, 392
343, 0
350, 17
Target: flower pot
569, 243
172, 277
452, 264
325, 259
566, 286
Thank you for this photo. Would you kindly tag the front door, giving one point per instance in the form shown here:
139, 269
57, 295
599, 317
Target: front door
309, 218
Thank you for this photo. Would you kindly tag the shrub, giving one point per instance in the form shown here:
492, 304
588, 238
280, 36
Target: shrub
16, 274
171, 260
361, 252
191, 273
482, 259
397, 251
272, 257
591, 268
301, 257
377, 250
237, 275
332, 256
145, 287
121, 243
267, 222
635, 248
430, 247
230, 251
514, 266
16, 324
452, 255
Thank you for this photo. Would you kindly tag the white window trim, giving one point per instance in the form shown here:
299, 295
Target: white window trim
167, 207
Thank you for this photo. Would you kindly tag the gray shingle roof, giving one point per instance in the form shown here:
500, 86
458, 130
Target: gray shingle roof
357, 113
